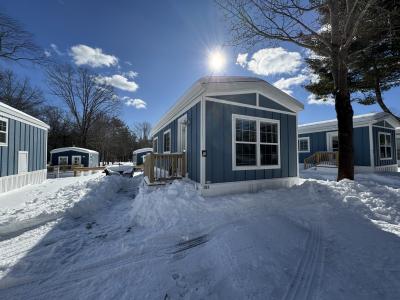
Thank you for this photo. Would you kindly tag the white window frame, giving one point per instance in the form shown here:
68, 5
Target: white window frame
62, 157
72, 159
386, 146
27, 162
6, 142
170, 138
258, 165
155, 140
307, 138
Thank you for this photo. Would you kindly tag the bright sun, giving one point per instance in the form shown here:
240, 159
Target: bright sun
216, 61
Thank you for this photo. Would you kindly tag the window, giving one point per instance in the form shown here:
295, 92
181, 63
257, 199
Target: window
385, 145
3, 131
155, 145
304, 144
76, 159
167, 141
63, 160
255, 143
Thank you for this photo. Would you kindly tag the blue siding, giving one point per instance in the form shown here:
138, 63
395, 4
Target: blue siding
378, 161
249, 99
69, 153
268, 103
219, 144
360, 139
384, 124
23, 137
193, 140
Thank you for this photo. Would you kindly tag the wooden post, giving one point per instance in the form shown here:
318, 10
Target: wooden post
151, 167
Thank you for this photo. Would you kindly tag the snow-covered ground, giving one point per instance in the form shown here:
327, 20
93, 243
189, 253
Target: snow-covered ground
113, 238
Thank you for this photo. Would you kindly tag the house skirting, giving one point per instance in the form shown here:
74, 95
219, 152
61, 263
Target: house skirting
249, 186
357, 169
12, 182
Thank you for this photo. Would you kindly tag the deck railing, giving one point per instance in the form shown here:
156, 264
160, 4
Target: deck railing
161, 167
327, 159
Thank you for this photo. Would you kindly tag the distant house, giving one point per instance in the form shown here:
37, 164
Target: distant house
138, 155
238, 134
23, 148
373, 140
70, 156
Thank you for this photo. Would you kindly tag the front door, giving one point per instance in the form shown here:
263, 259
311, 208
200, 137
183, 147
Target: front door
182, 136
332, 141
76, 160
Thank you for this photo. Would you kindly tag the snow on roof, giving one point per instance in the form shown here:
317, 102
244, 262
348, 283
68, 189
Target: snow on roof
11, 112
63, 149
228, 84
358, 120
142, 150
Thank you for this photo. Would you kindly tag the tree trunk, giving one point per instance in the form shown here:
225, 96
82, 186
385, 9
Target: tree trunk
344, 114
379, 99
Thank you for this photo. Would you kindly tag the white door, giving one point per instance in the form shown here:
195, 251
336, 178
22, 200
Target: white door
76, 159
332, 140
22, 162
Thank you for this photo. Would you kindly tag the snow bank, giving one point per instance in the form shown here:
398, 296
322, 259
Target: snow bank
74, 200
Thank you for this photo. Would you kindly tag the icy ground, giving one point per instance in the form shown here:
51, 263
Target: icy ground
113, 238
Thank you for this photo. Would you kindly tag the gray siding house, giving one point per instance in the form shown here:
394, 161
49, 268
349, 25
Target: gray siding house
74, 156
23, 148
239, 134
373, 138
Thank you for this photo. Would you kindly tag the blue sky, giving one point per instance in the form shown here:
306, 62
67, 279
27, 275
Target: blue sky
152, 51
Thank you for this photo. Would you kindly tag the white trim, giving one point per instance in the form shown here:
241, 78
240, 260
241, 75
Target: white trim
258, 143
155, 139
249, 186
181, 121
202, 140
329, 136
141, 150
74, 156
15, 114
371, 146
170, 138
297, 146
307, 138
20, 170
385, 145
77, 149
62, 157
12, 182
250, 106
5, 144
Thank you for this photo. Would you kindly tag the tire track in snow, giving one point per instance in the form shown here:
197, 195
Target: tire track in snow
306, 281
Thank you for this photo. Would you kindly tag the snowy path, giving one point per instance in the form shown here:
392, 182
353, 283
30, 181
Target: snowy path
319, 240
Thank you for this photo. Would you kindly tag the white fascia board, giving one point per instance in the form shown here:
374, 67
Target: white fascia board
63, 149
142, 150
15, 114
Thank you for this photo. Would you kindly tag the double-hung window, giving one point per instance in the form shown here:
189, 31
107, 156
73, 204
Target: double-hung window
167, 141
255, 143
3, 131
385, 145
155, 145
304, 144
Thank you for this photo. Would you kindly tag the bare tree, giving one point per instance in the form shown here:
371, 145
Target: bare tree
142, 132
20, 94
299, 22
84, 95
16, 43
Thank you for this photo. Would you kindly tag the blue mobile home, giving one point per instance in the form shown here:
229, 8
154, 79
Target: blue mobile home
23, 148
74, 156
239, 134
138, 155
373, 138
398, 145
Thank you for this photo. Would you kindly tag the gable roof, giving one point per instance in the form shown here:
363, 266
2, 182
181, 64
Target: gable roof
358, 121
142, 150
15, 114
212, 85
78, 149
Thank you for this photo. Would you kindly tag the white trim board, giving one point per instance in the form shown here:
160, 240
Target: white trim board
307, 138
170, 141
15, 114
77, 149
5, 144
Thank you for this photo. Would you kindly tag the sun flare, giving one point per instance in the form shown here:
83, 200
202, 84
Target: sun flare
216, 60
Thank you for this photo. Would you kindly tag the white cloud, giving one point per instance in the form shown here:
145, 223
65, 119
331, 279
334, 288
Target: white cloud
137, 103
286, 83
131, 74
94, 57
271, 61
119, 81
312, 99
55, 49
47, 53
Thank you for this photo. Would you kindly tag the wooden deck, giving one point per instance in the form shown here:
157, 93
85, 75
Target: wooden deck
159, 168
322, 159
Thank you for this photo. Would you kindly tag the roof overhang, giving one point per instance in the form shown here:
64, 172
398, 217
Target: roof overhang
15, 114
77, 149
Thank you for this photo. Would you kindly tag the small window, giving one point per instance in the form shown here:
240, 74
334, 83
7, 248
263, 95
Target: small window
167, 141
155, 145
304, 144
255, 143
385, 145
3, 131
76, 160
63, 160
